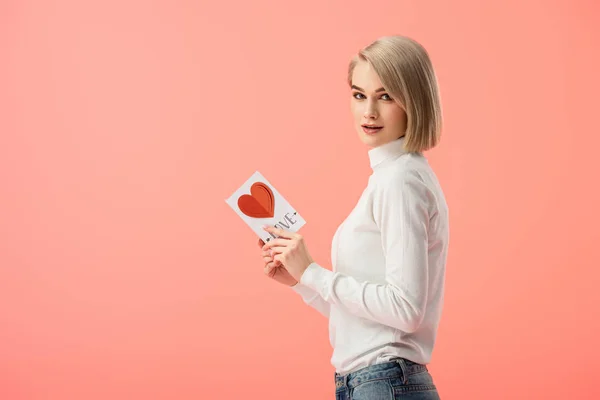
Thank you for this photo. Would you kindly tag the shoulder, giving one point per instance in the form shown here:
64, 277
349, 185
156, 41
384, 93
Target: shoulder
406, 173
406, 183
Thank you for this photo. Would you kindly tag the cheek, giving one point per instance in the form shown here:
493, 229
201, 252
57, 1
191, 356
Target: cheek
394, 115
357, 111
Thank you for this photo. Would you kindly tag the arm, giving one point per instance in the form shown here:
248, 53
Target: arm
401, 212
312, 298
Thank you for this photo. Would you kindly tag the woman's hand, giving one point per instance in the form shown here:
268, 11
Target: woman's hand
289, 249
274, 270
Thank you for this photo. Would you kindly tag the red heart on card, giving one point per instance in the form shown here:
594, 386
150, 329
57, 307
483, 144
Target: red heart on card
260, 203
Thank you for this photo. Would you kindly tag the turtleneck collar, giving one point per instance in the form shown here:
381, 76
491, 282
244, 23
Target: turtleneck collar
386, 152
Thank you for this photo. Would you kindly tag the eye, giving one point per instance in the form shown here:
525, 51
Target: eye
356, 94
386, 95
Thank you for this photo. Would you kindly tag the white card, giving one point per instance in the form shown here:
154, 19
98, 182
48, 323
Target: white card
258, 203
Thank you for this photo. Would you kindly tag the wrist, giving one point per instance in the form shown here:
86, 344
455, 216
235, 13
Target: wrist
299, 278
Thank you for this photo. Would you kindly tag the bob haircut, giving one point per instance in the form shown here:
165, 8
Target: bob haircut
406, 72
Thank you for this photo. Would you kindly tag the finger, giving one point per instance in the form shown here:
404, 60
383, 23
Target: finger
277, 250
269, 268
269, 254
274, 262
280, 232
261, 243
277, 242
268, 259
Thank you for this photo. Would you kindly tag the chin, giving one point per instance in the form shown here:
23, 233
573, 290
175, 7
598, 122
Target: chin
372, 140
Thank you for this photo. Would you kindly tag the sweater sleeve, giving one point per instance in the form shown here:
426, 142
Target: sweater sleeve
402, 214
312, 298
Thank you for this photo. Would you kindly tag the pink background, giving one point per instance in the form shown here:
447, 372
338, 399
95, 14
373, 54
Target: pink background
125, 124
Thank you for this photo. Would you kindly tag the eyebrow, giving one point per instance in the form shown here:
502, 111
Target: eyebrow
362, 90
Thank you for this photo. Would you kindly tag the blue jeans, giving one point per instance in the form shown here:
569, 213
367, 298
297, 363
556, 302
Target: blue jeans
398, 379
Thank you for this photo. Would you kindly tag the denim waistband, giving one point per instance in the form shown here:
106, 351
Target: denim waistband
390, 369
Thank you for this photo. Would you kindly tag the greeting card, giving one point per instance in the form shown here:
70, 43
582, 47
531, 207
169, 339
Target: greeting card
258, 203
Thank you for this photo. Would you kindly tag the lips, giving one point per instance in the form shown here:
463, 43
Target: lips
371, 129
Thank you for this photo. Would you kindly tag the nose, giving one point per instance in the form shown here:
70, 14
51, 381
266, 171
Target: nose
370, 110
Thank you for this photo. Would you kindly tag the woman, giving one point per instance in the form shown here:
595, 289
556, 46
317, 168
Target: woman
384, 294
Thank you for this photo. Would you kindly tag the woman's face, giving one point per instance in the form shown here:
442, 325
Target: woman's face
371, 105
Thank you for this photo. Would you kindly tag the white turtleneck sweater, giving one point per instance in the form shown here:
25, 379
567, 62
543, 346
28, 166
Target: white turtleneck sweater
385, 292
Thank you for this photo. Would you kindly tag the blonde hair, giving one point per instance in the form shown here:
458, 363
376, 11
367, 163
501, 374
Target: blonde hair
406, 72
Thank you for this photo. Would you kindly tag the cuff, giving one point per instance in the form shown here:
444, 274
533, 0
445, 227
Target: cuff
302, 290
317, 278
